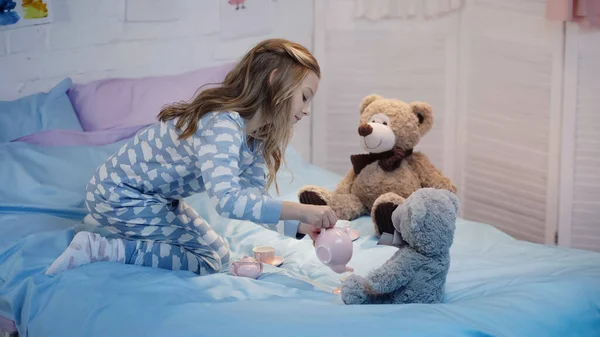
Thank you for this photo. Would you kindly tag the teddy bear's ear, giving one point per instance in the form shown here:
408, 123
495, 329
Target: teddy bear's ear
368, 100
424, 113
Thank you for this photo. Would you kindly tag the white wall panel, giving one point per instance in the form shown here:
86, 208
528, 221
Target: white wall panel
580, 188
508, 119
407, 60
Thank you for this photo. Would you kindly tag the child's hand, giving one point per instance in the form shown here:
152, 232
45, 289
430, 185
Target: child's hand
310, 230
319, 216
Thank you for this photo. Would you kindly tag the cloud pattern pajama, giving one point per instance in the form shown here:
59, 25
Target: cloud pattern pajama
137, 194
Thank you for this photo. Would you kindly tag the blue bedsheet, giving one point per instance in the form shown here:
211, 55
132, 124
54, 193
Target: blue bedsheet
497, 286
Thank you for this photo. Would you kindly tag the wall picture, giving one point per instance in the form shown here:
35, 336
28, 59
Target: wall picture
242, 18
21, 13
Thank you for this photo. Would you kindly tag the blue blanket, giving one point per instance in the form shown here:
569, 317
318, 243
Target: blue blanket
497, 286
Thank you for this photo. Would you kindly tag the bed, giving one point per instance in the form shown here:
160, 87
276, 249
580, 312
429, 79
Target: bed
497, 286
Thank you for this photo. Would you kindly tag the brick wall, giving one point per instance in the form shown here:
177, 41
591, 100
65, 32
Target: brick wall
94, 39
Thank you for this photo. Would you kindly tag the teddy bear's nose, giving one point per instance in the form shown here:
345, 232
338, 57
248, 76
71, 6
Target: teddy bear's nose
365, 130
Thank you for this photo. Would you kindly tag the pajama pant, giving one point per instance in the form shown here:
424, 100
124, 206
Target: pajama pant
162, 235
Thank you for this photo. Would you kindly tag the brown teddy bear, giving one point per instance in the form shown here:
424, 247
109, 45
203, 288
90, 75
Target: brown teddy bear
381, 180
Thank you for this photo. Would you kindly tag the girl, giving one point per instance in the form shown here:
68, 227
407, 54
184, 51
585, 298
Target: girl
229, 141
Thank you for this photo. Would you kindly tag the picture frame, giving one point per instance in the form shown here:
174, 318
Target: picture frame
23, 13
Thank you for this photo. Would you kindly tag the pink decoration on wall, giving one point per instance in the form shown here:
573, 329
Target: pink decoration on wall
237, 3
585, 12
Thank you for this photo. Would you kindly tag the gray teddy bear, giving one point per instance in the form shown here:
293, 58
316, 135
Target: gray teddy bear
424, 231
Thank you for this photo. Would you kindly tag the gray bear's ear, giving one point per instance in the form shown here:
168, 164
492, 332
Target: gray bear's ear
418, 210
424, 113
368, 100
413, 210
455, 201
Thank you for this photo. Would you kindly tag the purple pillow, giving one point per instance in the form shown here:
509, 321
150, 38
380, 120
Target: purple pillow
121, 103
81, 138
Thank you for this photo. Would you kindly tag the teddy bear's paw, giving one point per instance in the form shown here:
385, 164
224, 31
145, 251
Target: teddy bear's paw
313, 195
382, 217
382, 211
353, 290
312, 198
386, 278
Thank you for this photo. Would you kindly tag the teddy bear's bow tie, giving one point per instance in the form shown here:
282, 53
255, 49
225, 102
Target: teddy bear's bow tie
388, 161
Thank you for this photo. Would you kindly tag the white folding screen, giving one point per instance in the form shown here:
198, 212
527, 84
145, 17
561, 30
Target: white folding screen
509, 119
516, 102
580, 174
394, 58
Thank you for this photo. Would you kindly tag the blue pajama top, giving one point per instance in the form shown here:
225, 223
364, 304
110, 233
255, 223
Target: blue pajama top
157, 166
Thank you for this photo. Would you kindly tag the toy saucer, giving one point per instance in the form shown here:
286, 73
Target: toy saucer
354, 234
277, 261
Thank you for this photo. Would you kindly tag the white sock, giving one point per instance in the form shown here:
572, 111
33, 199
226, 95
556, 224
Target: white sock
87, 248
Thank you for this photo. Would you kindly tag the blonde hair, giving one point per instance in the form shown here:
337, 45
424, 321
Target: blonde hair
246, 90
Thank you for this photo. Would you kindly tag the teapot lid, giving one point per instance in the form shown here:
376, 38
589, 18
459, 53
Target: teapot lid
343, 223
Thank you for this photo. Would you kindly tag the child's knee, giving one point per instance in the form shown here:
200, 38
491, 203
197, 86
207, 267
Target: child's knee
214, 262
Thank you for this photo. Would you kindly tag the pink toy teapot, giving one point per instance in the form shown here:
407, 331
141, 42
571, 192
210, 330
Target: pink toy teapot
334, 249
246, 267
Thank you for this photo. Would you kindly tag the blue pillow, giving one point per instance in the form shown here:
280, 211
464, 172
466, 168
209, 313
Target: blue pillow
38, 112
